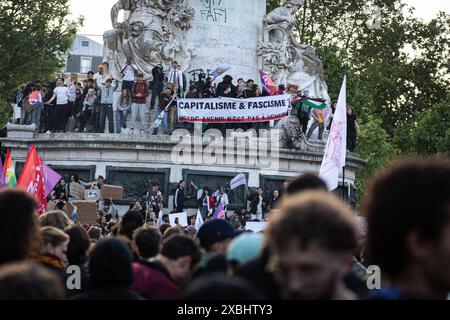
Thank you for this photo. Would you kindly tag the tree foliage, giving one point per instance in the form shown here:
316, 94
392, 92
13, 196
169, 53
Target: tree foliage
34, 35
397, 72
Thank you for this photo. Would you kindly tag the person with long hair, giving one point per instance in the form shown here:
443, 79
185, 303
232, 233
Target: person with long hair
123, 108
352, 129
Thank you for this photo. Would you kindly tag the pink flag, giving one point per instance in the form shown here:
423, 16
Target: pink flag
267, 83
220, 212
2, 176
51, 178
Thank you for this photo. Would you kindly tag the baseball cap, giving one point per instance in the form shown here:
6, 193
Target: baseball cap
215, 231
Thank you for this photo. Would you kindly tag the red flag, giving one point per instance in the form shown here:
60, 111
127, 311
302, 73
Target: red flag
32, 178
267, 83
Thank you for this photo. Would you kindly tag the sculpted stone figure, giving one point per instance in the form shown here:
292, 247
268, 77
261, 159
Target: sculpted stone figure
286, 60
151, 34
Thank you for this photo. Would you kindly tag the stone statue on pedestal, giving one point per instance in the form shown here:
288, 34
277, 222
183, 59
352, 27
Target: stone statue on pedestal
151, 34
286, 60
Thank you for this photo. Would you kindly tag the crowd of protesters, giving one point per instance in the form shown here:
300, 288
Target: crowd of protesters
311, 249
152, 204
85, 106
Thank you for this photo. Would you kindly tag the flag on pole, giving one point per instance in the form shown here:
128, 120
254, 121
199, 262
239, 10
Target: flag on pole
41, 188
237, 181
51, 179
220, 212
2, 176
220, 71
198, 220
336, 148
267, 83
32, 178
10, 175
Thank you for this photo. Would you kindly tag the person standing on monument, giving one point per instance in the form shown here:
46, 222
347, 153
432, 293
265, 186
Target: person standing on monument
319, 120
226, 88
129, 73
157, 84
352, 129
167, 107
106, 105
62, 96
257, 204
123, 107
175, 78
179, 197
208, 90
155, 198
99, 76
250, 91
139, 96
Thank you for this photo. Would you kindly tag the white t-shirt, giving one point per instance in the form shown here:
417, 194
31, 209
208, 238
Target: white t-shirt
259, 207
99, 78
129, 72
62, 95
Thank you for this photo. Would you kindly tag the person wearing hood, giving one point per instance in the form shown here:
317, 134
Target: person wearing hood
111, 272
226, 88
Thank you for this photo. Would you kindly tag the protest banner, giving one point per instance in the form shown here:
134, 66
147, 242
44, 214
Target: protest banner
255, 226
77, 191
86, 211
182, 219
229, 110
92, 194
112, 192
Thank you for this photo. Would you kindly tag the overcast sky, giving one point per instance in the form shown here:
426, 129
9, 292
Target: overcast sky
97, 20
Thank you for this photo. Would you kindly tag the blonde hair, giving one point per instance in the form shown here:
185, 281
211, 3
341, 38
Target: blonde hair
57, 219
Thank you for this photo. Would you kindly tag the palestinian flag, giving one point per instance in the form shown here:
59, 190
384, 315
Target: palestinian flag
314, 103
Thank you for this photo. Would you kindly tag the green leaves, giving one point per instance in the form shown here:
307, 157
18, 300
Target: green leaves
34, 35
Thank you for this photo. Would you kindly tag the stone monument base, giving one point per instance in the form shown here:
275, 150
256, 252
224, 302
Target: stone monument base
136, 161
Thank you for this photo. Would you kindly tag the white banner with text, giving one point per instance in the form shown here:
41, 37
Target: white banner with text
229, 110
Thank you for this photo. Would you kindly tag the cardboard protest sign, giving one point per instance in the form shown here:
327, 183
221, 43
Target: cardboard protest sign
51, 205
182, 219
77, 190
92, 194
256, 226
86, 211
112, 192
69, 208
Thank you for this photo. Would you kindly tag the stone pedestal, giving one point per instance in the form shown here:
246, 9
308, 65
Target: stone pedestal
136, 161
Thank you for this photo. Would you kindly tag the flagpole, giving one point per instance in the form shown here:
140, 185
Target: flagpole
343, 183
